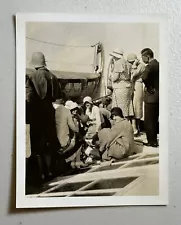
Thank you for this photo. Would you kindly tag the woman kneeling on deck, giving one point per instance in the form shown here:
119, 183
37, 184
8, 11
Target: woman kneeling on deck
118, 141
95, 117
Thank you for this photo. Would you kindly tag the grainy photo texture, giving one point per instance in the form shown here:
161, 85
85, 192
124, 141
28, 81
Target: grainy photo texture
91, 109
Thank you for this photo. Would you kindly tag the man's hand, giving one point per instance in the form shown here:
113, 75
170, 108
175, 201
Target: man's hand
110, 88
150, 90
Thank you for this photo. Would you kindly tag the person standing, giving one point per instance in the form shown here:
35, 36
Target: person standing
137, 69
121, 83
42, 88
151, 96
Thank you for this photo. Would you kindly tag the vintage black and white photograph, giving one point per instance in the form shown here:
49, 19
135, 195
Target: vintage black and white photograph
90, 111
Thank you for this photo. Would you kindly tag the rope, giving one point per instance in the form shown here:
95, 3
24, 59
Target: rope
79, 64
61, 45
94, 60
82, 64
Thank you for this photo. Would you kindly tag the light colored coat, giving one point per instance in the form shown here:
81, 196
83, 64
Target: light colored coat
136, 74
117, 142
64, 124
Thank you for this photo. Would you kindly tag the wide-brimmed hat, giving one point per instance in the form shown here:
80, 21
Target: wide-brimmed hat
88, 99
71, 105
131, 57
118, 53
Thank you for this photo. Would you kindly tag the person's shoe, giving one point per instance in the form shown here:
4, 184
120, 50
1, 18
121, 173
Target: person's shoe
137, 133
40, 181
42, 178
89, 160
49, 175
154, 145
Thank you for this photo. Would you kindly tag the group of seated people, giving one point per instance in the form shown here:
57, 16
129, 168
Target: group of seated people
88, 133
100, 132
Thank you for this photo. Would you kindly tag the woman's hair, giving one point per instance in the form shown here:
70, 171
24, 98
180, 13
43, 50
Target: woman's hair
116, 111
95, 138
106, 101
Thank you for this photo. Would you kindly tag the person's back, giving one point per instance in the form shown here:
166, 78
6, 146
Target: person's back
117, 142
106, 115
124, 129
64, 124
42, 89
120, 72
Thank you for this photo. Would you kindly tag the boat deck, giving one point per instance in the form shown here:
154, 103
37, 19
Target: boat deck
136, 175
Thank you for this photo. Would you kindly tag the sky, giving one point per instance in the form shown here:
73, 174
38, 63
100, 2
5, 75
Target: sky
131, 37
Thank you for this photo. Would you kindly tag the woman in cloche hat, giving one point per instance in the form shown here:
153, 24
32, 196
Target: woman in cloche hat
121, 83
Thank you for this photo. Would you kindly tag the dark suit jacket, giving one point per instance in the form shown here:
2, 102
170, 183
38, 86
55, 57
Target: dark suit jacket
151, 80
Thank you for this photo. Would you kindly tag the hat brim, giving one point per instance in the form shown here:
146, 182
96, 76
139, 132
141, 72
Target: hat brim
71, 108
74, 108
88, 102
132, 60
37, 64
116, 55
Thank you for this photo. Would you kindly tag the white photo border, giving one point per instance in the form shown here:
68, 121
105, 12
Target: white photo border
22, 201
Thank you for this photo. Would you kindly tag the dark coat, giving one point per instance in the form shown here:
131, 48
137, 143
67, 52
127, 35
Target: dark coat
42, 88
151, 81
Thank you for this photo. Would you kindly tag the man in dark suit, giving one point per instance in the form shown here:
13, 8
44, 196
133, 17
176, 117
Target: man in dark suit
151, 96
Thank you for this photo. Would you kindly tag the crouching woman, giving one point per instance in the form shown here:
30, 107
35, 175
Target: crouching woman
66, 127
116, 142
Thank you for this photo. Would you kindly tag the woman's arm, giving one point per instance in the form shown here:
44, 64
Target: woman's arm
72, 124
119, 67
98, 118
137, 71
145, 76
